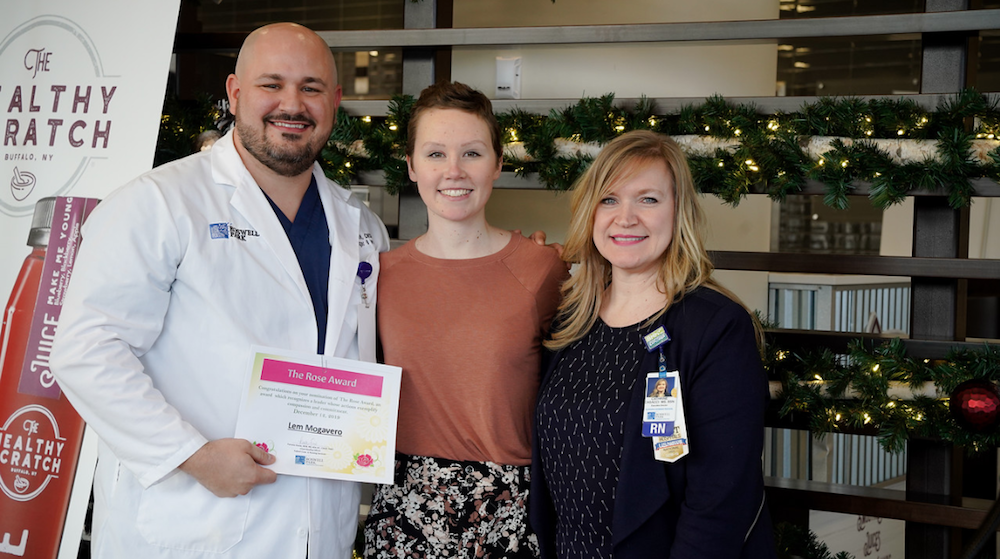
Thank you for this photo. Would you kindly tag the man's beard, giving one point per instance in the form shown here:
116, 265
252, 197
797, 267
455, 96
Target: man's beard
288, 162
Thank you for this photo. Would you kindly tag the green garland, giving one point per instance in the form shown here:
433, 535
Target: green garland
383, 140
768, 155
180, 125
868, 373
795, 542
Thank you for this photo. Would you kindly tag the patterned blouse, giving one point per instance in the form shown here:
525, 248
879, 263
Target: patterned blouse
581, 418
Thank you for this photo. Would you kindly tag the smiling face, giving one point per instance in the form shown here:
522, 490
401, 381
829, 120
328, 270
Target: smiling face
661, 387
453, 164
284, 95
634, 224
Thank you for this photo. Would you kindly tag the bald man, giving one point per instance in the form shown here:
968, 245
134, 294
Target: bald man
182, 271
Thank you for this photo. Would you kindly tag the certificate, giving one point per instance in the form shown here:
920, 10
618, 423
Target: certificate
322, 416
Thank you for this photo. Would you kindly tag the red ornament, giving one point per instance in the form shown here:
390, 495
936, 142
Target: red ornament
975, 404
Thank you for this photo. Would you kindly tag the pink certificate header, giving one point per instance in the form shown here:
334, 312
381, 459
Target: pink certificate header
321, 377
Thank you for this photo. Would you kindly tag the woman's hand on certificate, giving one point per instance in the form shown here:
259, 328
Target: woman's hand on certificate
230, 467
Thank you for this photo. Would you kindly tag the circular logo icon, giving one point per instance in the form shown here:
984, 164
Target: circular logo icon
30, 452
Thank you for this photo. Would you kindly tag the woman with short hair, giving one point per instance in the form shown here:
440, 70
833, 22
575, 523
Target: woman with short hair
463, 309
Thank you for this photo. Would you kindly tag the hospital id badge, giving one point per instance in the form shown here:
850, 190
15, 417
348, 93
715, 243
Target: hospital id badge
672, 444
659, 408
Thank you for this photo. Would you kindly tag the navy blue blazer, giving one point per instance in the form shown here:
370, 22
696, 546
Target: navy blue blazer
710, 503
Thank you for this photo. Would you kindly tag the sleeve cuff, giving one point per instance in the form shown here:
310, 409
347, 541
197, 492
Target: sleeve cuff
169, 466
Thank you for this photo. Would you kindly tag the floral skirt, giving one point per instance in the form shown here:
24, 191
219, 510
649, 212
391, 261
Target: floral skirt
445, 508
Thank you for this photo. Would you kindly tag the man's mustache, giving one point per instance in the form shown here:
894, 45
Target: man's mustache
291, 118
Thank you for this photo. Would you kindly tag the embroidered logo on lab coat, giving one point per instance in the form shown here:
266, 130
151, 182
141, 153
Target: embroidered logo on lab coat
227, 231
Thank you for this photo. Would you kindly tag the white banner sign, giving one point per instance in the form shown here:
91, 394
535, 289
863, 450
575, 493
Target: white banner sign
81, 90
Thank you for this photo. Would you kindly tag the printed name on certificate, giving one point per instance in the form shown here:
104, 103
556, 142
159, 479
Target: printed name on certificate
322, 416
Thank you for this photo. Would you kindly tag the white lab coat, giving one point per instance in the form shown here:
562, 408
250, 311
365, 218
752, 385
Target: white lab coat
152, 350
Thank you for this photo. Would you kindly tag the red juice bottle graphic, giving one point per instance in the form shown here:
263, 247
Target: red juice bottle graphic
40, 432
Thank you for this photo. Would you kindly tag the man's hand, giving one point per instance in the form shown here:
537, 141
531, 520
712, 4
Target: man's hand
229, 467
539, 238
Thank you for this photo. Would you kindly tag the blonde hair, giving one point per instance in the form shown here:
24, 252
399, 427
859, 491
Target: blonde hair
685, 264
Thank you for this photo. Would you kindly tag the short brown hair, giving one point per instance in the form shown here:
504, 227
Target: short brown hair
454, 95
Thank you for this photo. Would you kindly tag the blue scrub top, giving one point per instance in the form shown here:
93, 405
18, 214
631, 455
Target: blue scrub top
309, 235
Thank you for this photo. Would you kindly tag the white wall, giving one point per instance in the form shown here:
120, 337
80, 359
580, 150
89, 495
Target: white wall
628, 70
531, 210
984, 229
744, 228
897, 230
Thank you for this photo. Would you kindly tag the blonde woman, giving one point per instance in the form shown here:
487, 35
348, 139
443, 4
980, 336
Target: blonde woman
642, 305
659, 389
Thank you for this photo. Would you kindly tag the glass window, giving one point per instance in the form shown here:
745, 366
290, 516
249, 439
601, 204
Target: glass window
807, 225
322, 15
870, 65
363, 75
988, 61
792, 9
